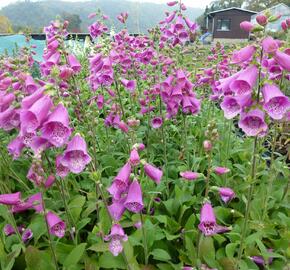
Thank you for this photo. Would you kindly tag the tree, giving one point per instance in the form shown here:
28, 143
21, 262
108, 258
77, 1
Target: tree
74, 22
5, 25
259, 5
221, 4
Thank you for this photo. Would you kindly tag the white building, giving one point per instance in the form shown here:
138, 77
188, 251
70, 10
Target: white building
282, 9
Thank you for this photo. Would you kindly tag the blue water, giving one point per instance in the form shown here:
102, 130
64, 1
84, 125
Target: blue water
10, 43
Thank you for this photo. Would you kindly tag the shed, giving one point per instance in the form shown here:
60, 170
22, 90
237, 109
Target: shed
224, 24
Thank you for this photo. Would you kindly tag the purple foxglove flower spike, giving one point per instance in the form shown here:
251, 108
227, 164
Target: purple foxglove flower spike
56, 129
123, 177
129, 84
116, 209
246, 26
56, 225
39, 144
283, 60
49, 181
245, 82
100, 101
74, 63
157, 122
152, 172
188, 175
269, 45
134, 201
134, 157
123, 126
61, 171
232, 106
36, 174
172, 3
30, 85
10, 199
36, 202
15, 147
253, 123
75, 156
276, 104
207, 220
259, 260
32, 118
116, 237
243, 55
28, 101
208, 225
226, 194
221, 170
8, 230
6, 119
27, 235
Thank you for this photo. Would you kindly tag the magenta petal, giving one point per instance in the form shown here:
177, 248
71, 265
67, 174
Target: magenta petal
134, 201
152, 172
10, 199
56, 225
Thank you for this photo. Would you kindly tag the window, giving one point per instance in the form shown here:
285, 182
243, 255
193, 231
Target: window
223, 24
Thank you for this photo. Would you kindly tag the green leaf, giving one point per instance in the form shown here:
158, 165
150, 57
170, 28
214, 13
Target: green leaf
160, 254
62, 250
99, 247
38, 226
82, 223
230, 249
36, 259
207, 251
75, 255
76, 205
108, 261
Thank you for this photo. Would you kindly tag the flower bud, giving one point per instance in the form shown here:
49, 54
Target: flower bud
246, 26
262, 19
207, 145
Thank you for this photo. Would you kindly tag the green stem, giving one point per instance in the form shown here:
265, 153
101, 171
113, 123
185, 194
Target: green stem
249, 200
272, 174
48, 233
120, 99
69, 217
100, 191
207, 179
144, 240
14, 224
228, 148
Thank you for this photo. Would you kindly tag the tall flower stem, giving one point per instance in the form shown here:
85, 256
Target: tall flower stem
207, 179
99, 190
144, 240
186, 152
253, 177
70, 219
271, 172
249, 200
120, 99
14, 224
48, 233
229, 130
164, 146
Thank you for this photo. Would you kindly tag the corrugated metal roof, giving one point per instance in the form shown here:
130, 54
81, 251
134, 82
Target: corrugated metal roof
225, 9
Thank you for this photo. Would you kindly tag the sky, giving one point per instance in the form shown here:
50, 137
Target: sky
190, 3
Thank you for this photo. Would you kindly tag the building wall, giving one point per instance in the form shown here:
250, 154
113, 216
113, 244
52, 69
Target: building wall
236, 17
